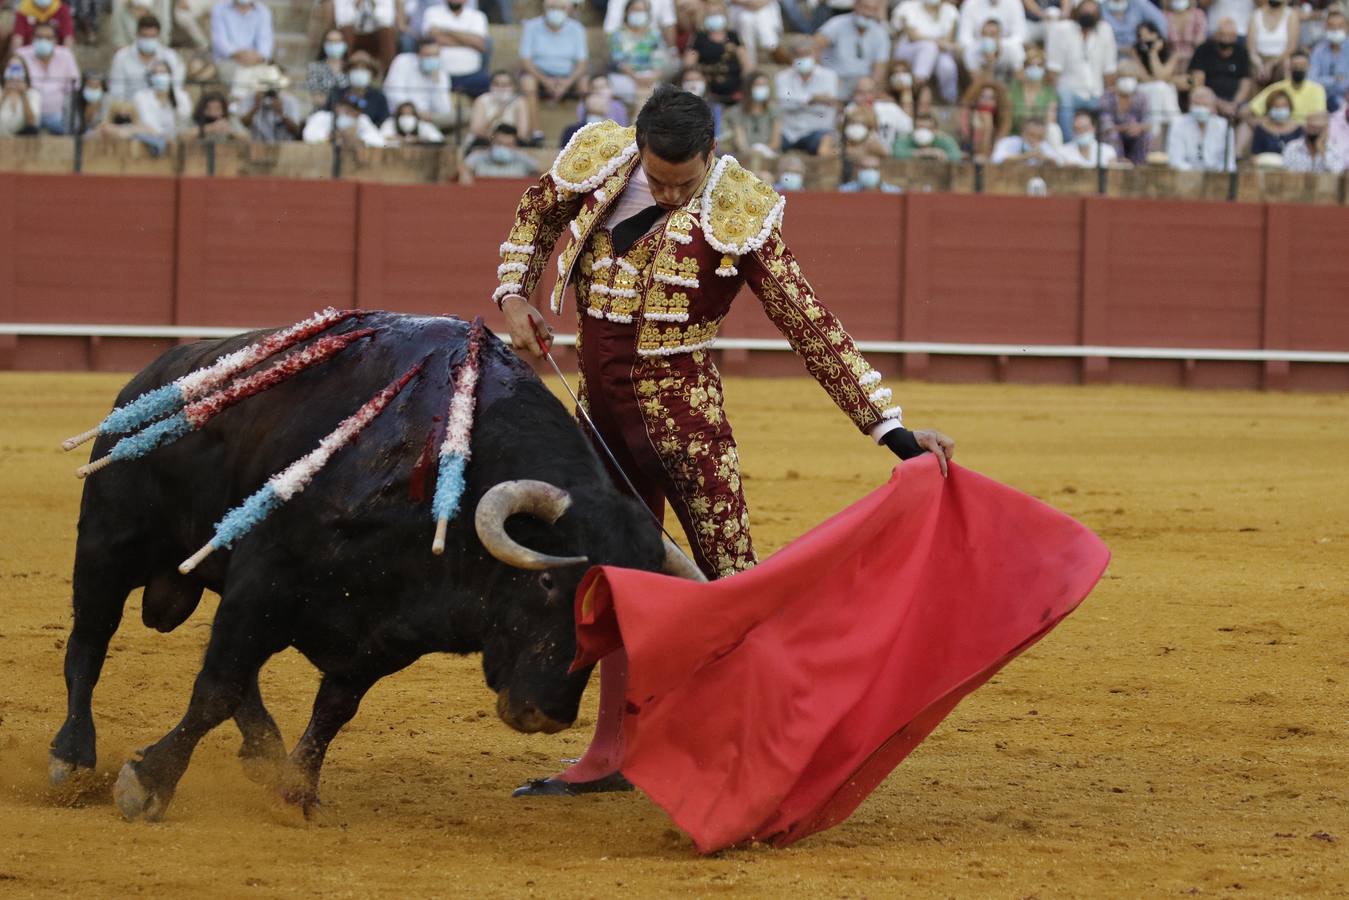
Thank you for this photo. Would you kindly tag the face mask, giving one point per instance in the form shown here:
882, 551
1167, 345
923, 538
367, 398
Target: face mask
1126, 85
1276, 3
1336, 37
42, 4
407, 124
1201, 114
1035, 73
1085, 139
923, 136
456, 7
856, 131
345, 122
147, 45
932, 2
335, 49
244, 3
1119, 6
1279, 113
639, 18
902, 80
429, 65
503, 95
868, 178
359, 78
1313, 136
555, 17
715, 23
1299, 76
44, 47
1226, 46
696, 88
1087, 21
92, 95
1180, 5
161, 81
500, 153
804, 65
790, 181
760, 93
592, 118
988, 45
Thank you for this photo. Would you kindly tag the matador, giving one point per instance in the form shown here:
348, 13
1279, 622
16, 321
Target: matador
662, 235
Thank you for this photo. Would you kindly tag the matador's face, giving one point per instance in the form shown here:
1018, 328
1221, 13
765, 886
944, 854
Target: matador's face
674, 184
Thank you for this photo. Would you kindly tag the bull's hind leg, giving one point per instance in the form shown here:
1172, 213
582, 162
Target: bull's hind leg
101, 584
244, 635
263, 752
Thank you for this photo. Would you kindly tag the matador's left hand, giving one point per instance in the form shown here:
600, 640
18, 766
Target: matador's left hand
907, 444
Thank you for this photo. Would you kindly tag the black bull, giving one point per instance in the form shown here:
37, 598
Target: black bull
344, 571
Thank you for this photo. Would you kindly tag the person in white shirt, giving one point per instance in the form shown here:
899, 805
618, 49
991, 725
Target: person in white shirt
461, 34
891, 119
925, 38
759, 25
163, 109
131, 64
368, 25
1084, 150
345, 125
1200, 140
1011, 15
1080, 53
989, 56
407, 128
1314, 151
1031, 147
807, 95
419, 78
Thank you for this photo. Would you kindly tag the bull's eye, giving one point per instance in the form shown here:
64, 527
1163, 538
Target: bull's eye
546, 581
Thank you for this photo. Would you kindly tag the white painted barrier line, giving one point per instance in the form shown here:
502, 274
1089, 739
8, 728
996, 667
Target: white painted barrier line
26, 329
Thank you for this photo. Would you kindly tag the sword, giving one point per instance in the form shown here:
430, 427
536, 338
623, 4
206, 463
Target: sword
595, 432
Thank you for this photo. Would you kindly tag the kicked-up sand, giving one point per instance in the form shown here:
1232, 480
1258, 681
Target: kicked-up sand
1186, 731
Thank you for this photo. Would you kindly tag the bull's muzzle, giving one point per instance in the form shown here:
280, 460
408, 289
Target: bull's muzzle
526, 717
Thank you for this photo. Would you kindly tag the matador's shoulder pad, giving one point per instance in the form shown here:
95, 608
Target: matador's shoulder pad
594, 153
739, 209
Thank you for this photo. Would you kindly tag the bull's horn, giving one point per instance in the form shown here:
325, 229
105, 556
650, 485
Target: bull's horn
534, 498
679, 565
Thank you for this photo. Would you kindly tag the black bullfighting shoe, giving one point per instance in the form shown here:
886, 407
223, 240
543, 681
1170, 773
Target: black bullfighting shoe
556, 787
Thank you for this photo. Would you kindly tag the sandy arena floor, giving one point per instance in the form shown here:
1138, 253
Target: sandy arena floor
1185, 732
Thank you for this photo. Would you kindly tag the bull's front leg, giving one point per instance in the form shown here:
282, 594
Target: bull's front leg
339, 696
263, 752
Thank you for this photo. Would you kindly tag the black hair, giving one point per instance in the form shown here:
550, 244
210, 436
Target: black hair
148, 22
505, 128
675, 125
427, 42
1300, 52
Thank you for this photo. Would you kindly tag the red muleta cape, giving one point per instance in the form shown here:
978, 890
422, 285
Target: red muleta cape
766, 706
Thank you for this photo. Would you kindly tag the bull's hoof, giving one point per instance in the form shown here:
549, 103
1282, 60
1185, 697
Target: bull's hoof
134, 799
60, 772
556, 787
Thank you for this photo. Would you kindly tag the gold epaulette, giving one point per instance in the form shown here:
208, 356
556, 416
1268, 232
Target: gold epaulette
594, 153
739, 210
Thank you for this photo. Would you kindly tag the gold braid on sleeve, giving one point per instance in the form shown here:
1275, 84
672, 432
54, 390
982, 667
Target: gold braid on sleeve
540, 219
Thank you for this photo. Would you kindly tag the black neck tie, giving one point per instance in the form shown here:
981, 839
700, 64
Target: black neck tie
631, 229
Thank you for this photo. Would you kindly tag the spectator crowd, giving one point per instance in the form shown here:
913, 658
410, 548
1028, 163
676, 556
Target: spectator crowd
1197, 85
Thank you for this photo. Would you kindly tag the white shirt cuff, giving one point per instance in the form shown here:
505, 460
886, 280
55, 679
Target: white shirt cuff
882, 428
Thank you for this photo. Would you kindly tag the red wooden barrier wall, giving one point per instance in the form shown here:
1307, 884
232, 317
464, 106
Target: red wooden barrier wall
923, 267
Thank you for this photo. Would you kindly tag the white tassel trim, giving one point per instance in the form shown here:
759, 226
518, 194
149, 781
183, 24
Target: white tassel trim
893, 412
575, 230
594, 181
603, 262
505, 268
727, 271
601, 196
667, 317
604, 290
594, 313
508, 247
674, 351
679, 237
880, 395
677, 280
754, 243
869, 378
620, 319
626, 266
503, 290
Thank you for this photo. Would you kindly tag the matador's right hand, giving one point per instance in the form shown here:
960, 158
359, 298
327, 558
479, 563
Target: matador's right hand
526, 325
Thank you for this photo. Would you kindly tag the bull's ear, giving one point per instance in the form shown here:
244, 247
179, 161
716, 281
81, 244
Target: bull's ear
522, 497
